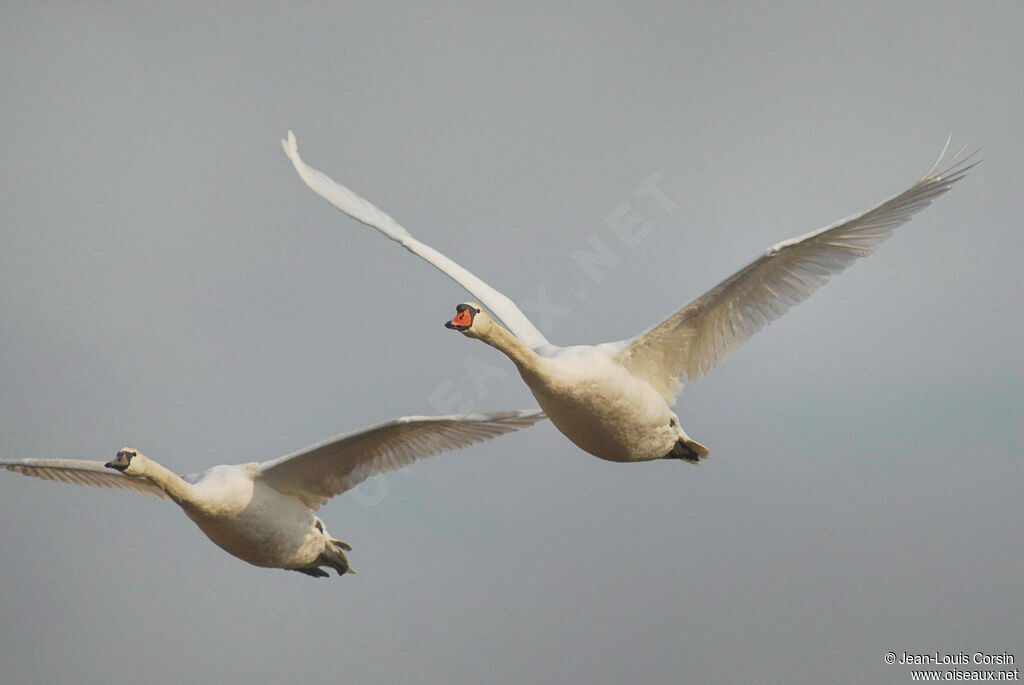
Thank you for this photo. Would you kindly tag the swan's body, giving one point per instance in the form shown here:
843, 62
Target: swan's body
594, 400
613, 399
263, 513
251, 520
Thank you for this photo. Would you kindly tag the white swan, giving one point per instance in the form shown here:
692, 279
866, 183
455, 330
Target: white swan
262, 513
613, 399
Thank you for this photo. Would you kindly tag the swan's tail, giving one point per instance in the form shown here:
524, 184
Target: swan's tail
688, 450
332, 556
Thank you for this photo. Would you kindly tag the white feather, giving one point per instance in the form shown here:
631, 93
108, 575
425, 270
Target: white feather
81, 472
263, 513
613, 400
367, 213
698, 337
326, 469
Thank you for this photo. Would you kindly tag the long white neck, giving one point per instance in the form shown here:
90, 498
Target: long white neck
512, 347
165, 479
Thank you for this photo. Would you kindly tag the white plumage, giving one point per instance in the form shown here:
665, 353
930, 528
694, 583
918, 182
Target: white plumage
613, 399
262, 513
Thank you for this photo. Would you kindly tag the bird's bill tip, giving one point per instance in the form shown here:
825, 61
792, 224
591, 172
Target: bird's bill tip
120, 462
462, 320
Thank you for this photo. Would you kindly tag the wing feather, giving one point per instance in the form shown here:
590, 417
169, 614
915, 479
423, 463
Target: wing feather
81, 472
329, 468
366, 212
698, 337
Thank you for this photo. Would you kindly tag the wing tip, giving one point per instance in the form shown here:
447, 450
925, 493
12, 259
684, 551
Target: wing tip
955, 167
291, 148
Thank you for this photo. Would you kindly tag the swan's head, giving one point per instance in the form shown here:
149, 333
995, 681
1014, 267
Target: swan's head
471, 320
128, 461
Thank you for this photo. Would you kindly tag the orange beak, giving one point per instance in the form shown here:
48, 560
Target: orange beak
462, 320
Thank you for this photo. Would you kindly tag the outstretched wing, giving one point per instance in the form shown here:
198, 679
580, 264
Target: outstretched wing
697, 338
329, 468
83, 473
367, 213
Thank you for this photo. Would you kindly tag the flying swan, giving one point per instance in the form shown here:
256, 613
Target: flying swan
262, 513
613, 399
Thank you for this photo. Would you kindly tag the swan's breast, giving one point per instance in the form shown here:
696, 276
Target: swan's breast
603, 408
254, 522
223, 490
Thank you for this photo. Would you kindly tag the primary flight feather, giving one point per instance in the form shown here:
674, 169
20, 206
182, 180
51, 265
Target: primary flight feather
263, 513
613, 399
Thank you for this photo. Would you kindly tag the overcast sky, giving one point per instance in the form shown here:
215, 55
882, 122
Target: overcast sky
169, 283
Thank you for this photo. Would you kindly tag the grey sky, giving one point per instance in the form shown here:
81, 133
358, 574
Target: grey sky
168, 282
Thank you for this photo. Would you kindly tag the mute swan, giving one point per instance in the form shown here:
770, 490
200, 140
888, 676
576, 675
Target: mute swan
262, 513
613, 399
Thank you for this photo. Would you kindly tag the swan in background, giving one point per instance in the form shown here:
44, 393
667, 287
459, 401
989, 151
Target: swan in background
613, 399
262, 513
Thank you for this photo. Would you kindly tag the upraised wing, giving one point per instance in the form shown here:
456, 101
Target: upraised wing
367, 213
329, 468
83, 473
697, 338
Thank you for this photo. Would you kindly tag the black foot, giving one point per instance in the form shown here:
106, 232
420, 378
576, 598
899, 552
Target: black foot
315, 572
